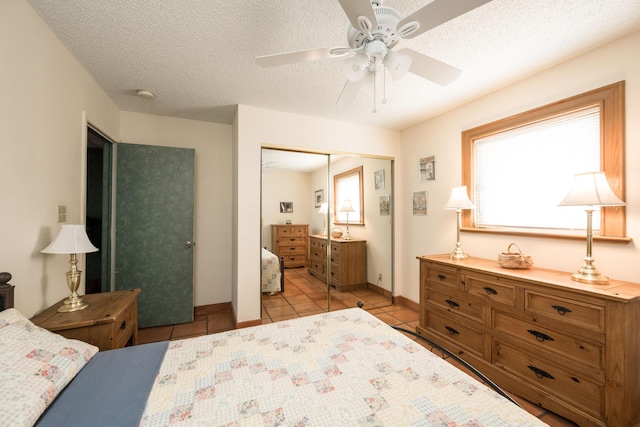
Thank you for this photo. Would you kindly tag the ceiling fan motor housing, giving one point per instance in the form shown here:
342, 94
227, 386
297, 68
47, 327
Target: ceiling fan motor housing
385, 31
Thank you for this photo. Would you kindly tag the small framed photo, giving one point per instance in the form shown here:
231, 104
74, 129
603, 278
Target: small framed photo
286, 207
378, 179
419, 202
427, 168
385, 205
318, 197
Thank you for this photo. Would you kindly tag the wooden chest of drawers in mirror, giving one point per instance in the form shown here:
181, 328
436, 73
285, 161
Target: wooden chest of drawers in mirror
290, 241
571, 347
348, 262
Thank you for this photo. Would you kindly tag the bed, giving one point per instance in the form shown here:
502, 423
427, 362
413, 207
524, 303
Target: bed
332, 369
272, 272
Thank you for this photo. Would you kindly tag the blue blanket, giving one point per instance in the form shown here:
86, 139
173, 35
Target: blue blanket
111, 390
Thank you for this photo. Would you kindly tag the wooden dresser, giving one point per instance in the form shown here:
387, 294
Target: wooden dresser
291, 242
109, 322
572, 347
348, 262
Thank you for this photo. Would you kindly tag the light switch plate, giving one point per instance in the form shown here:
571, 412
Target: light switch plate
62, 213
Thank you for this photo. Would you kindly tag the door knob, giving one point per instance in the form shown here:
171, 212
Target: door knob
188, 244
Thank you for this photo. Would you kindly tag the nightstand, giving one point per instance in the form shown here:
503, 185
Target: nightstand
110, 321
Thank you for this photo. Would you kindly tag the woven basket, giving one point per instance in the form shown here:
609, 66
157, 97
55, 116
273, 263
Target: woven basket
336, 232
515, 260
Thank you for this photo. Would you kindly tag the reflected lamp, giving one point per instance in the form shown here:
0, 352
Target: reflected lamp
346, 207
324, 209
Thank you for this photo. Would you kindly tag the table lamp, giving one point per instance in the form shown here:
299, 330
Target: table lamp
459, 200
324, 209
346, 207
590, 189
72, 240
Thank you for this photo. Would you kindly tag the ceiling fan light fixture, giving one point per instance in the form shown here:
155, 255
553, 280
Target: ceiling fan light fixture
398, 64
355, 67
145, 94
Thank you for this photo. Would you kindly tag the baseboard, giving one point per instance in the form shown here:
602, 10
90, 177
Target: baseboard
400, 300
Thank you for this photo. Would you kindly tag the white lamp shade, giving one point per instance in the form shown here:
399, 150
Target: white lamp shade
458, 199
324, 208
591, 189
346, 206
398, 64
72, 239
355, 67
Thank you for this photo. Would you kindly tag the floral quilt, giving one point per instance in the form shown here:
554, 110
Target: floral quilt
334, 369
270, 272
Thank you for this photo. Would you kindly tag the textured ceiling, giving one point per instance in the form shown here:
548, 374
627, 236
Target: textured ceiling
198, 56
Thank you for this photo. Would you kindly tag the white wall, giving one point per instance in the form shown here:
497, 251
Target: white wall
435, 233
255, 127
212, 144
47, 99
285, 186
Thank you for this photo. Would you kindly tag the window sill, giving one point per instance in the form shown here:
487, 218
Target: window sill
610, 239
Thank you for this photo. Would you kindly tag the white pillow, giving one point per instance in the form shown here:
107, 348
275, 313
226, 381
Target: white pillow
35, 365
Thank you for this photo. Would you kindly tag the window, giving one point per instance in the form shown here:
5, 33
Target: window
348, 186
518, 169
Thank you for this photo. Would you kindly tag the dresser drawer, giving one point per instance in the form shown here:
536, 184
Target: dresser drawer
566, 311
488, 288
317, 264
292, 231
288, 250
465, 336
336, 271
443, 276
283, 242
292, 261
319, 245
454, 303
571, 387
124, 324
546, 339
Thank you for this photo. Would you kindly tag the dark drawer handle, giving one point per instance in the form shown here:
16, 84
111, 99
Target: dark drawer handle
123, 325
490, 291
451, 330
451, 303
540, 373
293, 249
441, 276
540, 336
292, 239
561, 310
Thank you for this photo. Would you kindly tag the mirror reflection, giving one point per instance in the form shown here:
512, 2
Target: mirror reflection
315, 265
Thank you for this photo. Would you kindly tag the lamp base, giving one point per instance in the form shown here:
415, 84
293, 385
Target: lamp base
73, 303
458, 254
590, 277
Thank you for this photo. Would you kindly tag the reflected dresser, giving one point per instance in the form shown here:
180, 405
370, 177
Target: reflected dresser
348, 262
290, 241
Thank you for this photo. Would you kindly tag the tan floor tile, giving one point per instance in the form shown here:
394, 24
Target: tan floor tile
298, 299
307, 308
280, 311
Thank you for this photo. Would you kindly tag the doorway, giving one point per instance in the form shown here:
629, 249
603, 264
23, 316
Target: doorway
98, 211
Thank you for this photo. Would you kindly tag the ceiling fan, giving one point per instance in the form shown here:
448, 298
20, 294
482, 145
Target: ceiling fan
373, 33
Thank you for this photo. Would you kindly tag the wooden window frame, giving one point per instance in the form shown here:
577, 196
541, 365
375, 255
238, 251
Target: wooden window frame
610, 100
336, 195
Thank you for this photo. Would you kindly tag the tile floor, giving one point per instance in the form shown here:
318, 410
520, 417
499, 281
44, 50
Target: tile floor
305, 295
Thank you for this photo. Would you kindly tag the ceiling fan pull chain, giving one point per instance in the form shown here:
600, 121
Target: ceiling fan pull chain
384, 84
375, 83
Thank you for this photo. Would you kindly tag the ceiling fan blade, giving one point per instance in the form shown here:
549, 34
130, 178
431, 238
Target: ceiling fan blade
437, 12
354, 9
430, 68
349, 93
300, 56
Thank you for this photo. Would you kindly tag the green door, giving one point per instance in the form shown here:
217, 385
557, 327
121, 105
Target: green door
154, 230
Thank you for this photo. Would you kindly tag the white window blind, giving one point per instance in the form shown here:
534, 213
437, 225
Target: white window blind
521, 175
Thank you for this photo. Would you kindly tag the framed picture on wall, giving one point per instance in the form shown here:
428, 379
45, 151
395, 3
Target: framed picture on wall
378, 179
419, 202
286, 207
385, 205
427, 168
319, 197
